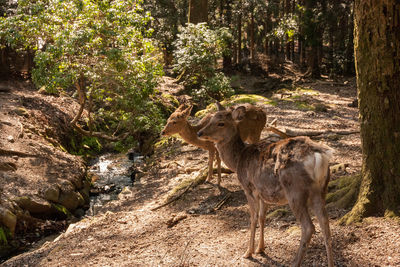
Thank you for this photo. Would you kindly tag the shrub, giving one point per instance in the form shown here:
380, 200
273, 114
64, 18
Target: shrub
197, 50
100, 49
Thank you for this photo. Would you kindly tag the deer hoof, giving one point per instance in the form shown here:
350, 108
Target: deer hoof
247, 255
260, 250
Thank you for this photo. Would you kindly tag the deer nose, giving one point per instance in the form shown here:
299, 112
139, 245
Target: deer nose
199, 133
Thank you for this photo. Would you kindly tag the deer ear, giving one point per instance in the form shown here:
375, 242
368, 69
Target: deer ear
187, 111
239, 113
219, 106
181, 107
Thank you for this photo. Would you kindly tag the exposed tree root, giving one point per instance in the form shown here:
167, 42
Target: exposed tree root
6, 152
185, 185
342, 192
178, 191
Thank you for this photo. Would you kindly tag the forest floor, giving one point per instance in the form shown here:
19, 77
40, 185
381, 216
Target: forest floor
129, 233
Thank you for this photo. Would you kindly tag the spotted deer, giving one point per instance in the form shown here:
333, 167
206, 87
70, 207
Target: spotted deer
250, 126
293, 170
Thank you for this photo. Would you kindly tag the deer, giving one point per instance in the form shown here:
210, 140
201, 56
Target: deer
293, 170
250, 126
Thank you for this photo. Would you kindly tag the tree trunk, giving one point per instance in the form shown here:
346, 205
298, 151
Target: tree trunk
252, 49
227, 59
239, 40
198, 11
377, 54
313, 40
349, 66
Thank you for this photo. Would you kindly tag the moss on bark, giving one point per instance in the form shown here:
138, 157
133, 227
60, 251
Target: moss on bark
342, 192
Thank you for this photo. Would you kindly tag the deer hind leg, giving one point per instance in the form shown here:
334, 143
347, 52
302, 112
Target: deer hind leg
261, 220
298, 204
218, 167
254, 209
318, 205
210, 164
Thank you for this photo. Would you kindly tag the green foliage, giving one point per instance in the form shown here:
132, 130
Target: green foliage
88, 146
217, 87
197, 50
4, 235
62, 209
102, 46
287, 28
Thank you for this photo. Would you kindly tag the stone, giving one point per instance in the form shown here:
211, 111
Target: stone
319, 107
34, 205
85, 191
10, 139
71, 199
79, 213
8, 219
21, 112
52, 193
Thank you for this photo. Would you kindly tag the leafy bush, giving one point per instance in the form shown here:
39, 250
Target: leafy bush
217, 87
197, 50
101, 49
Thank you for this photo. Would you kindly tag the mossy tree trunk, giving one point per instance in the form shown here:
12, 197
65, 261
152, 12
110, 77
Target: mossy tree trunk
377, 54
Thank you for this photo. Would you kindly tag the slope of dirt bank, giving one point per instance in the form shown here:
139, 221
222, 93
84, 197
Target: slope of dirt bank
39, 181
128, 233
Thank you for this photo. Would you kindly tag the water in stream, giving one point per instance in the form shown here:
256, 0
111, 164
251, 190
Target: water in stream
112, 173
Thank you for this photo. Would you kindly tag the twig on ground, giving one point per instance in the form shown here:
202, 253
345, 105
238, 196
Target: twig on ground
292, 133
6, 152
182, 261
223, 201
175, 220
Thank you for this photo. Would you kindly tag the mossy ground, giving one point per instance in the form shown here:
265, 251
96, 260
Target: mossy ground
238, 99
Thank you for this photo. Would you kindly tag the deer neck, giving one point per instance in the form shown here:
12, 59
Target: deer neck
230, 151
189, 134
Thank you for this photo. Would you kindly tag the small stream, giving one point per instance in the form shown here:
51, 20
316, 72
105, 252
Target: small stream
112, 173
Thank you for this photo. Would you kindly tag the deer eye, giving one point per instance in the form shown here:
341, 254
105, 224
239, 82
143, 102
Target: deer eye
174, 122
220, 124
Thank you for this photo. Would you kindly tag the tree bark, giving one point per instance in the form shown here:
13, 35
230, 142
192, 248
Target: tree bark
239, 40
377, 54
198, 11
227, 59
252, 48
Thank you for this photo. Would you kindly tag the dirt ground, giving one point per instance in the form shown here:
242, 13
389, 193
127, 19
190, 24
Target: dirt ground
128, 233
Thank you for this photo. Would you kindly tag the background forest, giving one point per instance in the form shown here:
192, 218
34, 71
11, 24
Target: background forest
111, 54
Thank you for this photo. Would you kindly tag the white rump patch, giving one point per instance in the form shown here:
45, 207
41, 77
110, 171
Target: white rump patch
316, 165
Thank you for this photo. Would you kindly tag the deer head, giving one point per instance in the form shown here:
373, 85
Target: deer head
222, 126
177, 120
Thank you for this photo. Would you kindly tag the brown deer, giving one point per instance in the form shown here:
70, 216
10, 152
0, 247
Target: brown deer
250, 126
293, 170
177, 123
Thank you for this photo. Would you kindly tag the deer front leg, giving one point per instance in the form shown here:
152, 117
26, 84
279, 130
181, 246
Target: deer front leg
254, 209
210, 165
261, 219
218, 167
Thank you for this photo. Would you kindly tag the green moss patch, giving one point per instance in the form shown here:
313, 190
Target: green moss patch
63, 210
342, 192
237, 99
4, 234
